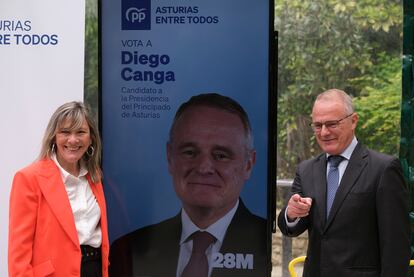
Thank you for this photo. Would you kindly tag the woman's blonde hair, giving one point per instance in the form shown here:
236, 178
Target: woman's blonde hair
76, 113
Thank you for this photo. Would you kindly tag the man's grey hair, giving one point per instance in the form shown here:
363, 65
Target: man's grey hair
221, 102
333, 94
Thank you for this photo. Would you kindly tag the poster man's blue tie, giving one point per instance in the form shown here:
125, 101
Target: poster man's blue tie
333, 181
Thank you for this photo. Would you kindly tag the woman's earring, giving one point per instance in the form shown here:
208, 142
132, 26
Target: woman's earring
90, 151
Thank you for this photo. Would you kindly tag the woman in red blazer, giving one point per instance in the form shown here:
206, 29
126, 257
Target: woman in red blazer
57, 221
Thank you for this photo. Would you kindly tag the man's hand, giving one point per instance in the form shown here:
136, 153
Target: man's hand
298, 207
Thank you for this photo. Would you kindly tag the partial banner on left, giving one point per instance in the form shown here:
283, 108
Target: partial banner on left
41, 67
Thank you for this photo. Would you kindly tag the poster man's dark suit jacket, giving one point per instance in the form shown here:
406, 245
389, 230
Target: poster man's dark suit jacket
153, 251
367, 231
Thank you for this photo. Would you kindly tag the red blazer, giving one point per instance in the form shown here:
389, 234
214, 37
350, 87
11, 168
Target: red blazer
43, 240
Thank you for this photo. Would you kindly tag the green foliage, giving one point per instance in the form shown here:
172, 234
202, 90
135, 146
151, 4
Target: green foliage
91, 57
372, 14
330, 44
379, 105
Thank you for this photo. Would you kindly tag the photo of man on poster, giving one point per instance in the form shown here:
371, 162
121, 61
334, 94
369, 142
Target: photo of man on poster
210, 157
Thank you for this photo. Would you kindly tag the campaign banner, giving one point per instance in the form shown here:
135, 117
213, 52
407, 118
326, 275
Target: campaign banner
42, 60
156, 55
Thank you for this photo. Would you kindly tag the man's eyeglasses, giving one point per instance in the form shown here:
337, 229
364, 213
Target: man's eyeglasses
332, 124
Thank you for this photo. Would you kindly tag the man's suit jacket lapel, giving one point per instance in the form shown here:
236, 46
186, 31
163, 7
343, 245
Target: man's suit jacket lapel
319, 186
170, 246
154, 250
356, 165
238, 222
159, 256
53, 190
245, 235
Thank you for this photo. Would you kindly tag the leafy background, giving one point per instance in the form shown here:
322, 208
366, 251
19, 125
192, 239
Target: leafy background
91, 85
355, 46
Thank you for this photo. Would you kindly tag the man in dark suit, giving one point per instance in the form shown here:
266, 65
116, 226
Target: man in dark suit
361, 227
210, 156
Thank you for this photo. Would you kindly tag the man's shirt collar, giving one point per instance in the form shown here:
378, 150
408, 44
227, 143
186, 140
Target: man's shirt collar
217, 229
349, 150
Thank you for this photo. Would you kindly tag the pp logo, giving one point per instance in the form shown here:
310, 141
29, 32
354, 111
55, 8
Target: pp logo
136, 14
